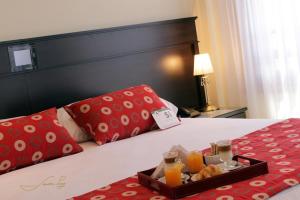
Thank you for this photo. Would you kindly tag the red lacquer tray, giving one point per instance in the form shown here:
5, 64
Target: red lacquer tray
253, 169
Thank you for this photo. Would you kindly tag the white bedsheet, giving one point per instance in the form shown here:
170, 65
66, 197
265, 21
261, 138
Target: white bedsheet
98, 166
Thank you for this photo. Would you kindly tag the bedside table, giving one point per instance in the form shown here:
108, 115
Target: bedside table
225, 113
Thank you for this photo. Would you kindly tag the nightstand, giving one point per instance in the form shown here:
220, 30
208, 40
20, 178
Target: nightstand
225, 113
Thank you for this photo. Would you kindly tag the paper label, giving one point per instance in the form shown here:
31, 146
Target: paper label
165, 118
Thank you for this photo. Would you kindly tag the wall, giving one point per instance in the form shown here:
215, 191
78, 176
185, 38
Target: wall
32, 18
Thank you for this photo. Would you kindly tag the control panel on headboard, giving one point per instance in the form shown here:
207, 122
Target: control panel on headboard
52, 71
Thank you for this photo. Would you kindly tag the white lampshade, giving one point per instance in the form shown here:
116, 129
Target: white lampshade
202, 64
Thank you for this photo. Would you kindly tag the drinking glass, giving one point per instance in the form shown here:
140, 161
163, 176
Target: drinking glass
225, 152
195, 161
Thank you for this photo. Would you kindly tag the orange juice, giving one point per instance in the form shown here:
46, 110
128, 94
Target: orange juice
195, 161
173, 175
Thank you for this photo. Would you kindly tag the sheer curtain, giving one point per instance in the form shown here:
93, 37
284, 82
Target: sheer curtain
266, 37
270, 41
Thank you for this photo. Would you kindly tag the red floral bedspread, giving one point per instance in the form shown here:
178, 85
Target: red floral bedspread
278, 144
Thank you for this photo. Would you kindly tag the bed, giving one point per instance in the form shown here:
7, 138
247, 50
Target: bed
76, 66
77, 174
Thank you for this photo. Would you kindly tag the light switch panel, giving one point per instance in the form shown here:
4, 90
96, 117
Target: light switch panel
21, 58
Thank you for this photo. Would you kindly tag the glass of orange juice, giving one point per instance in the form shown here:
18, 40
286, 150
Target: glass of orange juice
172, 169
195, 161
173, 175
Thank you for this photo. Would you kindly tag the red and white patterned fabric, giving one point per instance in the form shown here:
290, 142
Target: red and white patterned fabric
278, 144
117, 115
32, 139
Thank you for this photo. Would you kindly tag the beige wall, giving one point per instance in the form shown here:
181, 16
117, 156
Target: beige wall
32, 18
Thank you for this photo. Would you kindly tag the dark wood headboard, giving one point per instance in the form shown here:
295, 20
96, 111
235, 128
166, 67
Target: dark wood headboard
79, 65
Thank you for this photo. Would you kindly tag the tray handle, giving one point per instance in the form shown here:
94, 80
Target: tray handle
251, 160
146, 181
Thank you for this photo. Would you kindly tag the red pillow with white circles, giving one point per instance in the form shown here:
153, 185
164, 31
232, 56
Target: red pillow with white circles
117, 115
32, 139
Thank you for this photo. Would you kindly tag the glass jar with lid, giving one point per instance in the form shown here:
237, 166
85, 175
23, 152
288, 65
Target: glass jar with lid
172, 169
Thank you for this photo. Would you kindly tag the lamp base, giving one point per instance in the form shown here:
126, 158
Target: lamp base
208, 108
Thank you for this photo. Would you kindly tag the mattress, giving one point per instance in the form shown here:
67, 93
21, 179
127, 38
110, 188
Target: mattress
98, 166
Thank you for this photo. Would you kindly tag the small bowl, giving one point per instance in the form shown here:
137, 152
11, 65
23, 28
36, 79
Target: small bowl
215, 159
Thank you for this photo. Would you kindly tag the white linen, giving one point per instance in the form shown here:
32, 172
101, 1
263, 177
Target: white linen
98, 166
78, 134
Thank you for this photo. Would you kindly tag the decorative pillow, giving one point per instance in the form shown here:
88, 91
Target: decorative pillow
78, 134
117, 115
32, 139
3, 120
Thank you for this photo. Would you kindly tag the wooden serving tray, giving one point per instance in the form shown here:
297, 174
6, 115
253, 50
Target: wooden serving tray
253, 169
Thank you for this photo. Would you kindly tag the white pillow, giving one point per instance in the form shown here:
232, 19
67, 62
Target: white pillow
77, 133
170, 105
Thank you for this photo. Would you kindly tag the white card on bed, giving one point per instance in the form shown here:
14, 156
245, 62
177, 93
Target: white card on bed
165, 118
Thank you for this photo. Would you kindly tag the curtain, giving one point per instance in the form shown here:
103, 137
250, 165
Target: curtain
261, 38
218, 36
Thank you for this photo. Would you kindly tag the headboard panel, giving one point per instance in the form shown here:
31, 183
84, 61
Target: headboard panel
75, 66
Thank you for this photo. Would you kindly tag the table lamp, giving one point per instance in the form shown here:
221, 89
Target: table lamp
202, 67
